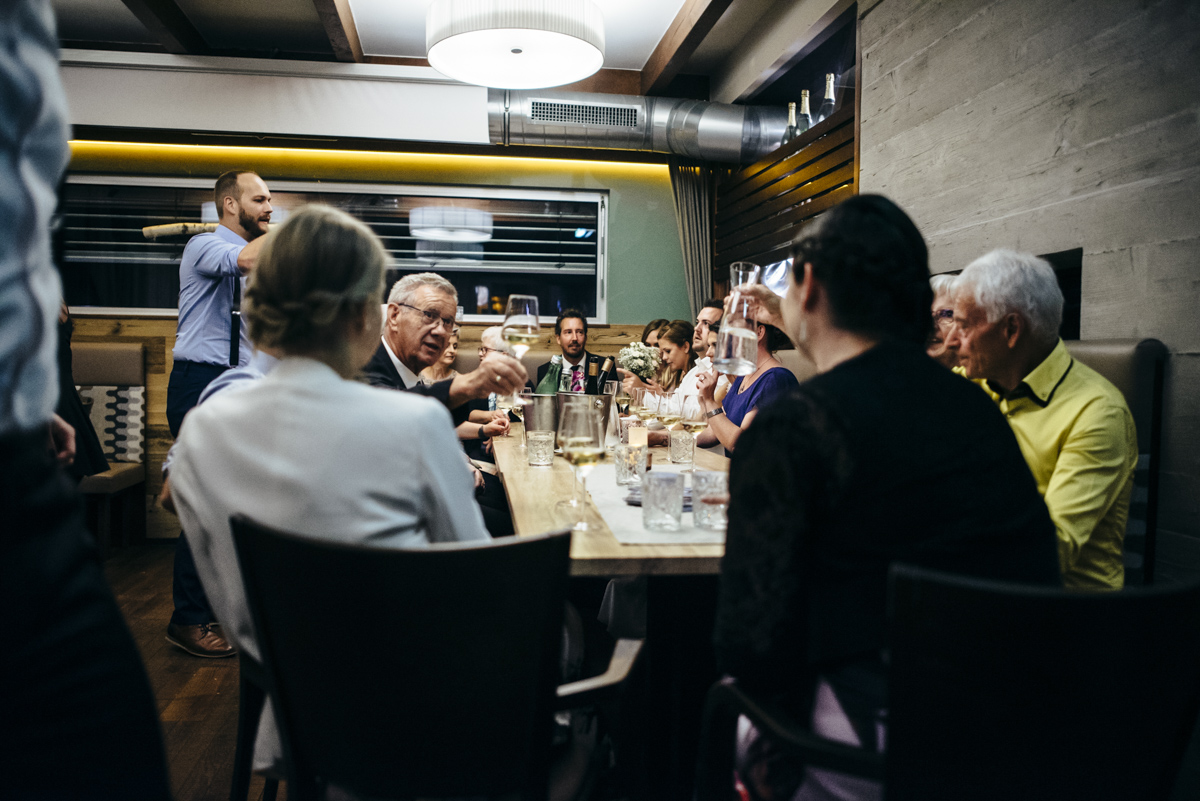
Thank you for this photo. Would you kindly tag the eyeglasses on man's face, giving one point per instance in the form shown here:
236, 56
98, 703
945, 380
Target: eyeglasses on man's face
432, 318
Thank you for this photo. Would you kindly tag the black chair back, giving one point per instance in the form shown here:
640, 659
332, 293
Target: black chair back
409, 672
1006, 692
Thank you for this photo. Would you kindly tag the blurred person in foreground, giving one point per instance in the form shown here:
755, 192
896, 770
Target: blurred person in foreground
388, 471
943, 321
77, 716
883, 456
1073, 426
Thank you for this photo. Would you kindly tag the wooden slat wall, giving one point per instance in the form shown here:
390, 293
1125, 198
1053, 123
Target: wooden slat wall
761, 209
157, 336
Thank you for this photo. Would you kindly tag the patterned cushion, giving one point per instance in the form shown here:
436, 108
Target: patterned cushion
119, 416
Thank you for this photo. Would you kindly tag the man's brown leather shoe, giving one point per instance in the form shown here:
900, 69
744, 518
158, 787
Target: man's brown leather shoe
199, 640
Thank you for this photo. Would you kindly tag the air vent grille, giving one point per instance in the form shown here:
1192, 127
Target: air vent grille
581, 114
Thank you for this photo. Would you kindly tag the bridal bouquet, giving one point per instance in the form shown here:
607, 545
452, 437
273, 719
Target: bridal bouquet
641, 360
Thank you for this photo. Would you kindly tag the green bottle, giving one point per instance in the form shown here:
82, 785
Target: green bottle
549, 383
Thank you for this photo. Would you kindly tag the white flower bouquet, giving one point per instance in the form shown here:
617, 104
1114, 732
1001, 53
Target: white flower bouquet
641, 360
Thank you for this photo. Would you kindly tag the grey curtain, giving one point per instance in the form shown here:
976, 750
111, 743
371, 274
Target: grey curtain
691, 186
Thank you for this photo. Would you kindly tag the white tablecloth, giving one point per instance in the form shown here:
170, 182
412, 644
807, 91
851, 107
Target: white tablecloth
625, 521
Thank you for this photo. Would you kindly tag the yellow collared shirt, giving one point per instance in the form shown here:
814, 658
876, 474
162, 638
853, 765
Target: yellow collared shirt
1078, 438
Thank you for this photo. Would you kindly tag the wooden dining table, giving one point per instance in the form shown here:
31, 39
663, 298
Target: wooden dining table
680, 586
533, 493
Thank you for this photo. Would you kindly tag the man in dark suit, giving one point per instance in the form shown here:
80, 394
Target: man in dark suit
419, 322
571, 330
420, 319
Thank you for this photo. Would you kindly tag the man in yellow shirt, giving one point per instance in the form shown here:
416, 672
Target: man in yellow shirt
1072, 425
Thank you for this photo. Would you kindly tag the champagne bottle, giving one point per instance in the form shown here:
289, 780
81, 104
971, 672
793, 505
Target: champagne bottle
791, 132
804, 121
827, 104
593, 373
549, 383
605, 372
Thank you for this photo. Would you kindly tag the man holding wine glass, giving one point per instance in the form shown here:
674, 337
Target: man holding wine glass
419, 322
417, 329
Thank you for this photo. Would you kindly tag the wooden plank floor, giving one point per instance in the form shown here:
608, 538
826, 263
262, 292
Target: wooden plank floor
197, 698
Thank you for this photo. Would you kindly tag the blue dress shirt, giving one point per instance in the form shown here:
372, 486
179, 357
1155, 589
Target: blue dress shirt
206, 275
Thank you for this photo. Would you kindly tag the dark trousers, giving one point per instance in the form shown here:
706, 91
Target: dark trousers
77, 718
188, 380
493, 503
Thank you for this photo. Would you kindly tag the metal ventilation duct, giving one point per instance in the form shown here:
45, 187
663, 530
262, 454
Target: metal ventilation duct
693, 128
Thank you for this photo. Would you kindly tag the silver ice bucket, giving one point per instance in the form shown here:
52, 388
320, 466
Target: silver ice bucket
601, 402
542, 413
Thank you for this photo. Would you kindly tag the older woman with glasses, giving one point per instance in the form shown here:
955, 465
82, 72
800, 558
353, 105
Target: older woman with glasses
943, 321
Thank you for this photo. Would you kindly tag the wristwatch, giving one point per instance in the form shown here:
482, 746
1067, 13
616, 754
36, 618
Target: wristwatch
715, 412
482, 435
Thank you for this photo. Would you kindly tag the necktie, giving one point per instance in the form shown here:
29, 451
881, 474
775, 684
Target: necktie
577, 379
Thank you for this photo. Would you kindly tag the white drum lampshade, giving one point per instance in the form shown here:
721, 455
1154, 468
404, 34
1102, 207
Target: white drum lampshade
515, 44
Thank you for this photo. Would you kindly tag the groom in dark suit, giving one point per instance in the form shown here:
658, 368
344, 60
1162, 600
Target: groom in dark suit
571, 331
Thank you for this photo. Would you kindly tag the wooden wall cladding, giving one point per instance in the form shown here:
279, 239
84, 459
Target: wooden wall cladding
760, 209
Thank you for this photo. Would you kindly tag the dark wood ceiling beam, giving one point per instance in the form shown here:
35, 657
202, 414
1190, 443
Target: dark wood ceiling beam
340, 28
169, 25
694, 21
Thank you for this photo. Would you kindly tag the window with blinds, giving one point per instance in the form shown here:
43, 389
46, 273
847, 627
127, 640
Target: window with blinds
489, 242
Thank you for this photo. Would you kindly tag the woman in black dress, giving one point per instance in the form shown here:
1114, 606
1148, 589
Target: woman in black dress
883, 456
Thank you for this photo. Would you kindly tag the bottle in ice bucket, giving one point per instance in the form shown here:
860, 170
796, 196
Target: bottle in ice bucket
549, 383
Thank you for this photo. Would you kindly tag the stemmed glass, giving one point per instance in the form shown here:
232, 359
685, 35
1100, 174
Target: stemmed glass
693, 420
520, 329
581, 433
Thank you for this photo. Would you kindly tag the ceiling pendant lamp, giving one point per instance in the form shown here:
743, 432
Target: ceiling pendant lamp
515, 44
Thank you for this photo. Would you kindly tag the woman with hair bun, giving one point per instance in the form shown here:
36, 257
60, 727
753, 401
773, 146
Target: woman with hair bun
307, 449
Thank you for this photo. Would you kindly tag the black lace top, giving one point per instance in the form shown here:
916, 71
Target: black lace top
886, 457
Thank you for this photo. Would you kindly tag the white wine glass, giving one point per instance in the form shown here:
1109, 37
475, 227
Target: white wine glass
692, 419
581, 432
521, 328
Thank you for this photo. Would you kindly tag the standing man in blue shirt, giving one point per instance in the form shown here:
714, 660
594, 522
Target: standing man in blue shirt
211, 277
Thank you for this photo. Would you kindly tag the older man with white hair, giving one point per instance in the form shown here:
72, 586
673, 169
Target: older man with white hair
1073, 426
417, 328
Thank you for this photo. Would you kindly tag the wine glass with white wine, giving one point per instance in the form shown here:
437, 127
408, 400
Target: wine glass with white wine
521, 329
581, 432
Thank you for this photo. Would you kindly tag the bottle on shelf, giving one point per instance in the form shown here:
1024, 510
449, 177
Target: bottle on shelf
797, 124
826, 104
804, 121
549, 383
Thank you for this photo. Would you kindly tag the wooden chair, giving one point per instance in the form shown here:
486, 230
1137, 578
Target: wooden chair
427, 672
252, 697
1001, 691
